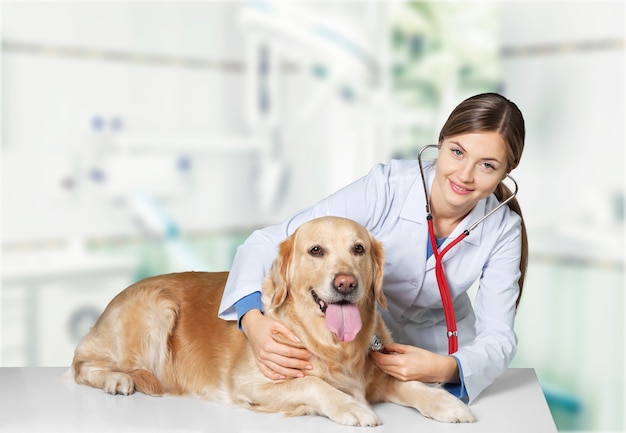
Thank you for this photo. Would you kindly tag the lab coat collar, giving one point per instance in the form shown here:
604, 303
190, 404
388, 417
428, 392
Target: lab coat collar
477, 213
414, 207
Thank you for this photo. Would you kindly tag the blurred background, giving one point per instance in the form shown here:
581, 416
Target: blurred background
141, 138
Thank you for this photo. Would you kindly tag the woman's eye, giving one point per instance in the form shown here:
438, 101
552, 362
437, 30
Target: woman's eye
458, 153
359, 249
316, 251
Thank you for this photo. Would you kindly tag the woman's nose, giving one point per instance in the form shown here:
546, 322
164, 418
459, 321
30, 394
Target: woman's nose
466, 173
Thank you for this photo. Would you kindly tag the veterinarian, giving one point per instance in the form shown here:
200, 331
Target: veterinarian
479, 144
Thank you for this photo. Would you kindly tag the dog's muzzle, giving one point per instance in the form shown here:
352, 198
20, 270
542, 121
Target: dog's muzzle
319, 301
342, 318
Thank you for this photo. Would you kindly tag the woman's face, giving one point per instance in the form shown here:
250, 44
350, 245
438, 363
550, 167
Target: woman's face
469, 167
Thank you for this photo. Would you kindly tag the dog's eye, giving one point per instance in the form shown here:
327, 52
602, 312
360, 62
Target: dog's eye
359, 249
316, 251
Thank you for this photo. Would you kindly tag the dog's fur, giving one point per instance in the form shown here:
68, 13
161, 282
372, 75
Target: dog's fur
162, 336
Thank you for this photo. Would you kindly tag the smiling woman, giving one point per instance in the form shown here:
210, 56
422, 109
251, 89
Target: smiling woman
492, 115
480, 143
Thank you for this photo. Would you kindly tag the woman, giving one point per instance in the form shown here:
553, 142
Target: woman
479, 144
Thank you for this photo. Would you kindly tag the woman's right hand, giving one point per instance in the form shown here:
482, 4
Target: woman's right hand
278, 352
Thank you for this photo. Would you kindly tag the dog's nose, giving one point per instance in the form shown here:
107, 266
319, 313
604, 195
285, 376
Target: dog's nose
345, 284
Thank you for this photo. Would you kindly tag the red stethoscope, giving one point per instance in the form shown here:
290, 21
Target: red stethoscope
444, 290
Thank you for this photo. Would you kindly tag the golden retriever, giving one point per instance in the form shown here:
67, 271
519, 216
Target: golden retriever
162, 335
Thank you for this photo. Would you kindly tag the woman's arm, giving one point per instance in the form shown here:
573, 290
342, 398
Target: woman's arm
361, 201
277, 350
495, 344
412, 363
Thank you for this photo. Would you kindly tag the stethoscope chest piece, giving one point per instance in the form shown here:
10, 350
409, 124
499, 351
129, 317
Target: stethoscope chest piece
376, 344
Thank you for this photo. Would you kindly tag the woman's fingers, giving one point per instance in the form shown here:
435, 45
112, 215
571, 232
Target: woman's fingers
278, 352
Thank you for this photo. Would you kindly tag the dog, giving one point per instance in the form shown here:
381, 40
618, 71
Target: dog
162, 335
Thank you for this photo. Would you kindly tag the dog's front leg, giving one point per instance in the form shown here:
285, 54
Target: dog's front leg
309, 395
431, 401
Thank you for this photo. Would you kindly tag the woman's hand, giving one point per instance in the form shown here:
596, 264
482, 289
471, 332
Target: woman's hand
412, 363
277, 350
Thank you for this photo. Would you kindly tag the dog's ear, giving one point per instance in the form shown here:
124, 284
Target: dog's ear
279, 274
378, 257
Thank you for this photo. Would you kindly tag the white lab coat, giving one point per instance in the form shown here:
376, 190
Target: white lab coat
390, 202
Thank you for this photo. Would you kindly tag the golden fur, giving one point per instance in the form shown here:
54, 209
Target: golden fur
162, 335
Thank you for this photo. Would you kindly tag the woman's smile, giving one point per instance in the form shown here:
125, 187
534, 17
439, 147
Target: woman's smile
459, 189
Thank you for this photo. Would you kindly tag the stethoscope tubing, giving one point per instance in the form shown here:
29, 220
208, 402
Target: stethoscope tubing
442, 283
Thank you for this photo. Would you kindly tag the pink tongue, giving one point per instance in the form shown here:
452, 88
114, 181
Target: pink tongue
344, 320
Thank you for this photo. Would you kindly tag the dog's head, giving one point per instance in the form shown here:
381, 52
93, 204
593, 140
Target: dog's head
330, 267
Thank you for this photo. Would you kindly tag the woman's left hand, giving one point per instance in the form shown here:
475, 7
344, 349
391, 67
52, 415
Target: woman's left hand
412, 363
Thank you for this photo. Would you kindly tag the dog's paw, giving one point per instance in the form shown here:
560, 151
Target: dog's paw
119, 383
448, 408
355, 414
458, 414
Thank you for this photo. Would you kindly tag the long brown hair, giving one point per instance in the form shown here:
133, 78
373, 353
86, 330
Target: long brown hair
491, 112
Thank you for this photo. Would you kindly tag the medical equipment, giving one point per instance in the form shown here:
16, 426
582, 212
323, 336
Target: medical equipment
444, 291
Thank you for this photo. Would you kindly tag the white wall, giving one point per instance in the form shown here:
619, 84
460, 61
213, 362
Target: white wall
135, 142
564, 66
55, 92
